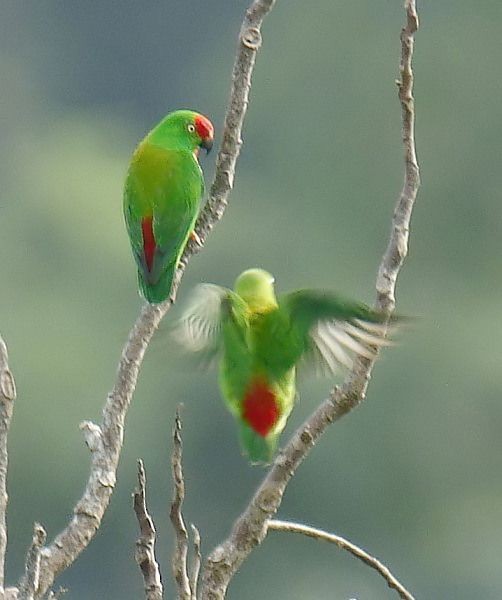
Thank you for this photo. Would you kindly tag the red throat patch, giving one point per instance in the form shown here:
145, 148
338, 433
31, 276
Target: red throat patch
260, 408
149, 245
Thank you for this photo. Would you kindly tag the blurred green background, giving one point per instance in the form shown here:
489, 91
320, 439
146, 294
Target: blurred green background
414, 475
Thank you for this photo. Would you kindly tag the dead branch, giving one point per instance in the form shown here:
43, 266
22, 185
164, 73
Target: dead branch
180, 556
7, 397
145, 545
105, 441
343, 544
196, 562
28, 586
250, 528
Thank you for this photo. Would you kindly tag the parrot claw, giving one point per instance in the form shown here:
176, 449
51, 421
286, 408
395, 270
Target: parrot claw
194, 236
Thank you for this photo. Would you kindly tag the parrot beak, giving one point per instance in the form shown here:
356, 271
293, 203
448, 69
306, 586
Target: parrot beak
207, 144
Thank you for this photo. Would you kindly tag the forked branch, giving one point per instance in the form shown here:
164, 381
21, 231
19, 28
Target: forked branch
250, 528
105, 441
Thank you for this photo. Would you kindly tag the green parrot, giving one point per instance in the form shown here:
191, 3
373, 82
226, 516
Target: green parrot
162, 195
260, 339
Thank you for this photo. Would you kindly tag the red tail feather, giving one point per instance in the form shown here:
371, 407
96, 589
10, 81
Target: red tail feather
260, 408
149, 245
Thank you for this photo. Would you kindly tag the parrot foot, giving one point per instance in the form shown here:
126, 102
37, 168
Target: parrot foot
194, 236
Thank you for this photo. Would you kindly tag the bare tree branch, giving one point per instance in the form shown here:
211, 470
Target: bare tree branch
7, 397
398, 243
29, 584
145, 546
250, 528
249, 44
105, 441
196, 562
180, 556
344, 544
105, 444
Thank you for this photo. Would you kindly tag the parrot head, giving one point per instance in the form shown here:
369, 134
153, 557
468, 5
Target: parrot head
256, 288
191, 129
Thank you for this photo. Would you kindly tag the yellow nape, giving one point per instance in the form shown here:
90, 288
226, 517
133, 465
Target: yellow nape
256, 288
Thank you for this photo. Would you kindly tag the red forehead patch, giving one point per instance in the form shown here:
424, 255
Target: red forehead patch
204, 127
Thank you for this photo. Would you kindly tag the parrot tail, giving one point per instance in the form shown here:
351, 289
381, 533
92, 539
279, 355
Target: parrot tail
155, 293
260, 414
259, 449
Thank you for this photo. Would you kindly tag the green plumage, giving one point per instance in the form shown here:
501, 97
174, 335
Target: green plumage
259, 340
162, 195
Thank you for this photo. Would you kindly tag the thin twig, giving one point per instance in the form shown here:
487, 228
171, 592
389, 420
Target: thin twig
29, 584
251, 527
7, 397
105, 444
180, 556
105, 441
344, 544
145, 546
196, 561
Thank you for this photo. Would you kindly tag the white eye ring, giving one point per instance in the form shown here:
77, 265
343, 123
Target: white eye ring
191, 128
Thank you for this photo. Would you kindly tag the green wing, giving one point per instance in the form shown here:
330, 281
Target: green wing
213, 319
166, 185
329, 330
215, 327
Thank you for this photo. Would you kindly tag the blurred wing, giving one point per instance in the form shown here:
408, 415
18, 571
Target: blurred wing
199, 328
334, 329
334, 344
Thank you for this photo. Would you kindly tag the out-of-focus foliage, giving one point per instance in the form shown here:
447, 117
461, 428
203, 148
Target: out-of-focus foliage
415, 475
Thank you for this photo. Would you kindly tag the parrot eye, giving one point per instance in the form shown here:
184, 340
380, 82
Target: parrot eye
191, 128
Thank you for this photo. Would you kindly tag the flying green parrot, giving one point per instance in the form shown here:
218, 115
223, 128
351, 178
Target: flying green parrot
259, 340
162, 195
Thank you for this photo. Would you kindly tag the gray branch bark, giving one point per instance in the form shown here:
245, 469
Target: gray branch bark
30, 581
343, 544
180, 555
398, 243
249, 43
105, 441
145, 546
7, 397
196, 562
250, 528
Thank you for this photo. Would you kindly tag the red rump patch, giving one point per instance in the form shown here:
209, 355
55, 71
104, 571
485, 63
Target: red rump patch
204, 127
149, 245
260, 408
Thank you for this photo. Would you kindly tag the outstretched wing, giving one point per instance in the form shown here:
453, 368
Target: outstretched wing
333, 329
199, 329
335, 343
214, 317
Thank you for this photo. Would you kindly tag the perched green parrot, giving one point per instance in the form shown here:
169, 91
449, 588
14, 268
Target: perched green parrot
162, 195
259, 340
